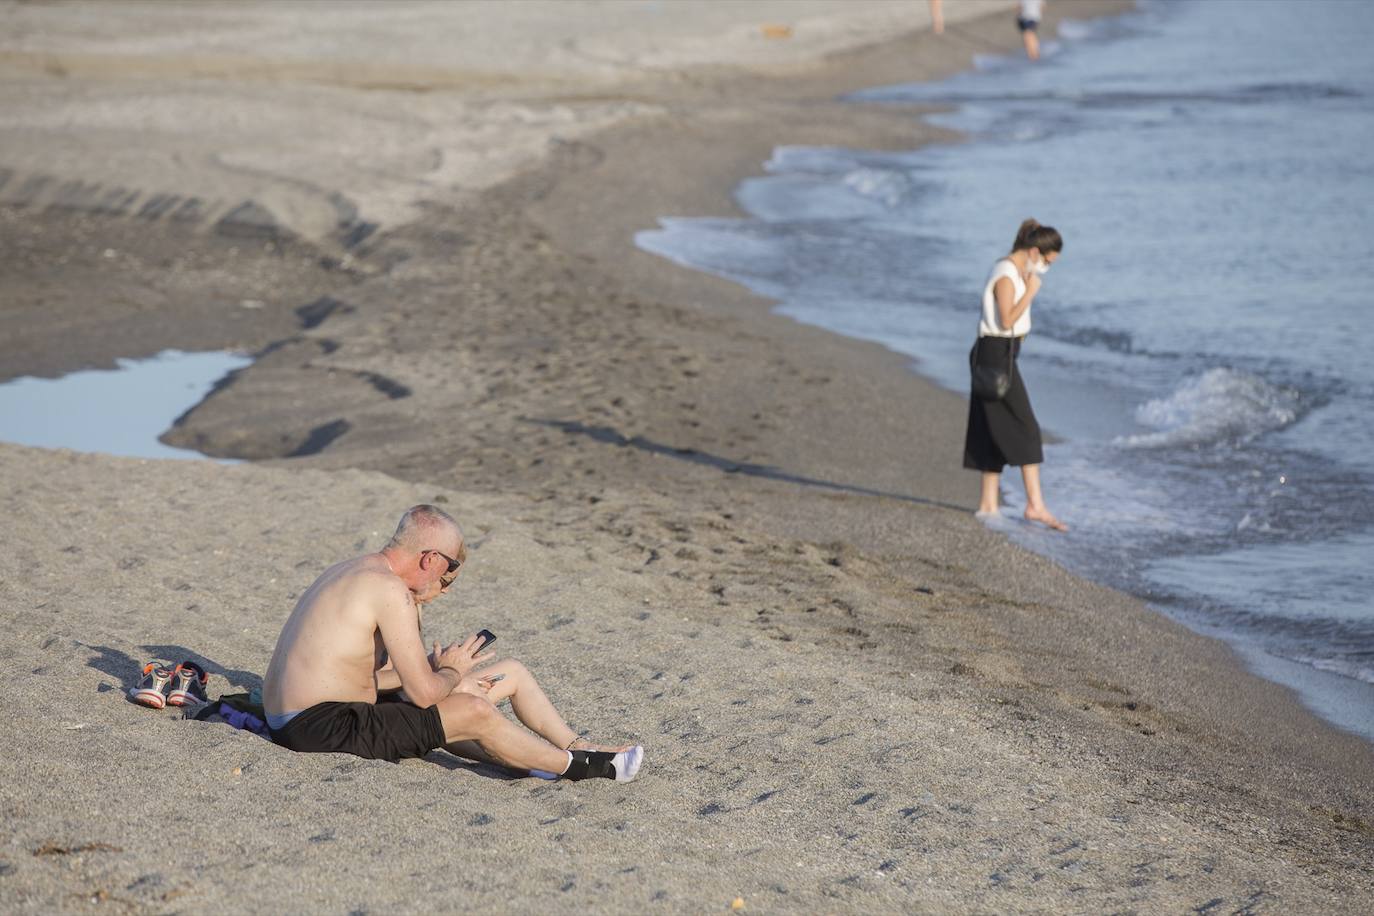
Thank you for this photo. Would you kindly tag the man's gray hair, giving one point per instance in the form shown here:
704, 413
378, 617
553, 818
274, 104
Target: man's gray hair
422, 527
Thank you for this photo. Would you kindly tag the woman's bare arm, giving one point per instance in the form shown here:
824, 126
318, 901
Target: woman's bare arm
1009, 308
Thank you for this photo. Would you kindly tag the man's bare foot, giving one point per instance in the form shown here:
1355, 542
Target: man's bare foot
1044, 517
582, 744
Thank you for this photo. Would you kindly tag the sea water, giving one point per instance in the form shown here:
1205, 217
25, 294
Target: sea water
1203, 351
119, 411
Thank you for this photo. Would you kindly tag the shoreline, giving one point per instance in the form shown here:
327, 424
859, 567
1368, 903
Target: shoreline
635, 144
1330, 696
1018, 745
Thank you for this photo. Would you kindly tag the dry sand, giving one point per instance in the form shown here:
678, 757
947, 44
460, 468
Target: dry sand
704, 527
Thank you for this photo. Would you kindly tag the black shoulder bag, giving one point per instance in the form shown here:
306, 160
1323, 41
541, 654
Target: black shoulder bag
991, 383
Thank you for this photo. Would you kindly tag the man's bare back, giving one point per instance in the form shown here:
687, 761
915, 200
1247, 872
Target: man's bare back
327, 689
331, 646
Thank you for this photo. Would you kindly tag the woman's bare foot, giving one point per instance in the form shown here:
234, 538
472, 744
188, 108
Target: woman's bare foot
582, 744
1044, 517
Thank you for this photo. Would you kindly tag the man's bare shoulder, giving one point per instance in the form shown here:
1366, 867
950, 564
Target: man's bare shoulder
368, 571
367, 582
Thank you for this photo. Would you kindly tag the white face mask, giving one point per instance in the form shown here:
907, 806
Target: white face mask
1040, 267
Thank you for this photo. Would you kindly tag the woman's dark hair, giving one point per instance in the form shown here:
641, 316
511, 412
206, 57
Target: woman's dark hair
1033, 235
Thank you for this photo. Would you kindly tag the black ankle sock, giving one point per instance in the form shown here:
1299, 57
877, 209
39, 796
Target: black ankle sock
590, 764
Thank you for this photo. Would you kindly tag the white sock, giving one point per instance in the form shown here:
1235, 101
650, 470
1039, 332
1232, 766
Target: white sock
627, 763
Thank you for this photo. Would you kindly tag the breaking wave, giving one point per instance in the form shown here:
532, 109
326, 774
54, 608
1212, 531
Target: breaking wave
1218, 405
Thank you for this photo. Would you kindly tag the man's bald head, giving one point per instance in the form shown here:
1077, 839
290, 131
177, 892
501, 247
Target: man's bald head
427, 527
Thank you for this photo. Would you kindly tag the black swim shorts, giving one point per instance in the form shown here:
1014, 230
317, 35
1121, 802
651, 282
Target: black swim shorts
1027, 25
388, 730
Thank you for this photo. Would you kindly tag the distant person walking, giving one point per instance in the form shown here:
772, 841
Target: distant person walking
1028, 20
1003, 430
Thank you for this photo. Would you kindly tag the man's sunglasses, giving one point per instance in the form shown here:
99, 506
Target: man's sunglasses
452, 571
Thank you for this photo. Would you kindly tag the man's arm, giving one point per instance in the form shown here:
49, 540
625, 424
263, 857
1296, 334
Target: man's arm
399, 622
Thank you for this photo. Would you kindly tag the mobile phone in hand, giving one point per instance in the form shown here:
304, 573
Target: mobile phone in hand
492, 679
487, 637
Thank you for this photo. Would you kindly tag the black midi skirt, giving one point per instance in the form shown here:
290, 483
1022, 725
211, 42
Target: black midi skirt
1001, 432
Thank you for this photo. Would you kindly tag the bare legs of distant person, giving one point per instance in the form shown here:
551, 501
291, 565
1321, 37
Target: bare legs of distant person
1032, 43
937, 17
1036, 510
476, 729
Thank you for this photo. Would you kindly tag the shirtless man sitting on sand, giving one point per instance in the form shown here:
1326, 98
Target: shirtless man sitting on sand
327, 689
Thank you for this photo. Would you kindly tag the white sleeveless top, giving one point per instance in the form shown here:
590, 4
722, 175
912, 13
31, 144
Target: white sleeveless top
990, 325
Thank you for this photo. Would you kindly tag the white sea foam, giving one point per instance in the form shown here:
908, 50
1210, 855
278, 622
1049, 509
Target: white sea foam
884, 185
816, 160
721, 246
1075, 29
1341, 666
991, 62
1217, 405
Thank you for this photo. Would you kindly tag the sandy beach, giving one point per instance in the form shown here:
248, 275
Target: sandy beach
745, 543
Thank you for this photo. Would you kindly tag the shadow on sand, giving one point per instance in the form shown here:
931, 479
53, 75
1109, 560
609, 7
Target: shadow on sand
768, 472
128, 670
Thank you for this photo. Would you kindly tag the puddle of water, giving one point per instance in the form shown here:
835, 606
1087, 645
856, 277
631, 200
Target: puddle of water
116, 411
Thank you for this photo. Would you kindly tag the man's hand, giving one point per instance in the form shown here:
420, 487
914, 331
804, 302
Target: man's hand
460, 657
478, 685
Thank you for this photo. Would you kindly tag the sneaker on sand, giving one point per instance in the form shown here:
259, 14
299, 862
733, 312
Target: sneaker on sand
152, 690
188, 685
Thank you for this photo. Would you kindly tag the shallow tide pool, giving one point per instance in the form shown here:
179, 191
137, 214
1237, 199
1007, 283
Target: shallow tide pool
115, 411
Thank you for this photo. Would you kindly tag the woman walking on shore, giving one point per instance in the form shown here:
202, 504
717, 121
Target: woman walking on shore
1003, 430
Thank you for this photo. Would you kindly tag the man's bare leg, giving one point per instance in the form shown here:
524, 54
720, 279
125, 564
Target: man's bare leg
1035, 502
470, 750
533, 707
469, 718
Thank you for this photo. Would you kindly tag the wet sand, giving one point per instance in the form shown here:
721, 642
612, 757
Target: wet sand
745, 543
